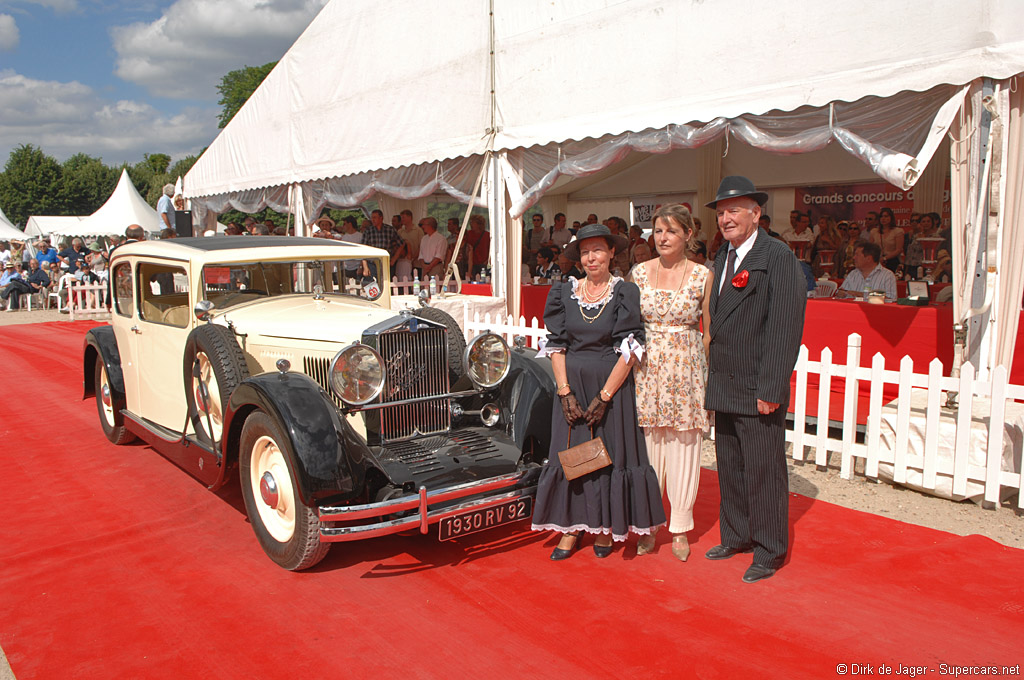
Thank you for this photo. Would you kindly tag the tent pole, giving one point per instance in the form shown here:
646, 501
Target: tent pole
977, 316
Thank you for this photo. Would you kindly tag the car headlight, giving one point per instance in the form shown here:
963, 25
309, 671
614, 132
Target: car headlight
487, 360
357, 374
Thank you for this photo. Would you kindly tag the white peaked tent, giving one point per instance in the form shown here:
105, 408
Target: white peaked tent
124, 207
8, 231
44, 225
525, 95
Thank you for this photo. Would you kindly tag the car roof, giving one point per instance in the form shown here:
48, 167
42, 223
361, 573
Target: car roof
245, 248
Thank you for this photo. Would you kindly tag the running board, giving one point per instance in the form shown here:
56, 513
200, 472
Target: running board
191, 455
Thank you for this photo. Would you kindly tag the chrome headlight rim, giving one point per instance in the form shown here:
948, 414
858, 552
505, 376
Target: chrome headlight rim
469, 351
376, 356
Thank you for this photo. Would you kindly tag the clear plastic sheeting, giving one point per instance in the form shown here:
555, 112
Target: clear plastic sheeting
888, 134
453, 177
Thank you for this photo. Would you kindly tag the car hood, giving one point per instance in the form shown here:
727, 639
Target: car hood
300, 317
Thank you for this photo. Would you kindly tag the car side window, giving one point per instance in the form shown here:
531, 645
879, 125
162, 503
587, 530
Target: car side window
123, 289
163, 294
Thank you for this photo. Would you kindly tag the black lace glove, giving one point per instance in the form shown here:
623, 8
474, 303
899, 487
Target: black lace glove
595, 412
570, 408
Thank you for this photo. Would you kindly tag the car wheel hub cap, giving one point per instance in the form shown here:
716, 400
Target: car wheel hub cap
268, 490
270, 477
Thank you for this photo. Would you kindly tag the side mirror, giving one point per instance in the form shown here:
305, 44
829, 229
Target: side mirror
203, 309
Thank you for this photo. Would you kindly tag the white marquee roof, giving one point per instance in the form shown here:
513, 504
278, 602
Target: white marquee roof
124, 207
8, 230
412, 82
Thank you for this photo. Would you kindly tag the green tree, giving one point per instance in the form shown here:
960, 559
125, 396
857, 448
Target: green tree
237, 86
157, 161
86, 183
30, 184
181, 168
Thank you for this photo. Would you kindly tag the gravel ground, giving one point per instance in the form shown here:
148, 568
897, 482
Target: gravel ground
1003, 524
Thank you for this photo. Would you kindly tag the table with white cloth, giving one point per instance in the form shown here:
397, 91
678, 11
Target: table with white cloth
1013, 443
455, 304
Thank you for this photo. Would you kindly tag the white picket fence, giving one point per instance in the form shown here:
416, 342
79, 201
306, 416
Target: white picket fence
961, 469
87, 300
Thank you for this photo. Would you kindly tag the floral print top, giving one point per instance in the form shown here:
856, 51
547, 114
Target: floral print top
670, 379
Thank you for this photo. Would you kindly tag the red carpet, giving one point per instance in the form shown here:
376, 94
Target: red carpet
116, 564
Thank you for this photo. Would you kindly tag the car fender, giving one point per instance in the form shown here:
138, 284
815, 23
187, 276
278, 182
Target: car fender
318, 439
100, 341
529, 391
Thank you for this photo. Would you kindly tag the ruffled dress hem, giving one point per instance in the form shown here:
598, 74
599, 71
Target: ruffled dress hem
618, 538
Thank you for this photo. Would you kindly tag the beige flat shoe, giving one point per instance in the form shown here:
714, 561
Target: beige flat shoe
645, 545
680, 547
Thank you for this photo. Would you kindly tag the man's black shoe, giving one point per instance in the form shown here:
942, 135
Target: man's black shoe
724, 552
756, 572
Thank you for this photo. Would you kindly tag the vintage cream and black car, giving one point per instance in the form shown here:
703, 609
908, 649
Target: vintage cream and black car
281, 357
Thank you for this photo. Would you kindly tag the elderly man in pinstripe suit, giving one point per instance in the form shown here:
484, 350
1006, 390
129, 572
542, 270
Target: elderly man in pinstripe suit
757, 317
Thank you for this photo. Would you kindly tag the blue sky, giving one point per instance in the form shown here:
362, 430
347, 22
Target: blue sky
120, 78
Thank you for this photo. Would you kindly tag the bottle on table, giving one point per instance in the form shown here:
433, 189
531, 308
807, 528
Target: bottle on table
433, 286
416, 284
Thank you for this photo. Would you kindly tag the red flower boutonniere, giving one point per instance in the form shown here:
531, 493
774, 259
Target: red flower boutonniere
740, 280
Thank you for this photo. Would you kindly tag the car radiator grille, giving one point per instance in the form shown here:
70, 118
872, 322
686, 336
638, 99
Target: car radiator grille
417, 366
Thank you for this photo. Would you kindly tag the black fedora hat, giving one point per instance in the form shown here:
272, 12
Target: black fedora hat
735, 186
616, 242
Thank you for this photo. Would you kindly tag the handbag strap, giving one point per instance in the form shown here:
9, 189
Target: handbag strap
568, 439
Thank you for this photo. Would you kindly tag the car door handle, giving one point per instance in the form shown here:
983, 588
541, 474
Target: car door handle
135, 329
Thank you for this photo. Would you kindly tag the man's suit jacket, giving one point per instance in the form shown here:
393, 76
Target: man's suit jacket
755, 329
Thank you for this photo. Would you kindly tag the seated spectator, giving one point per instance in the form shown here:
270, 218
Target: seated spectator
534, 240
44, 253
546, 267
868, 274
829, 238
698, 252
5, 252
167, 233
71, 255
37, 278
233, 229
765, 222
943, 270
568, 268
801, 232
12, 286
927, 226
85, 274
639, 251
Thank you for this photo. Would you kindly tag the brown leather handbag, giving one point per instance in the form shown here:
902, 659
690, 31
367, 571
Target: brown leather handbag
584, 458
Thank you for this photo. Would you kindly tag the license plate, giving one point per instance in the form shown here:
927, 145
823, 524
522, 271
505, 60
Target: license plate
477, 520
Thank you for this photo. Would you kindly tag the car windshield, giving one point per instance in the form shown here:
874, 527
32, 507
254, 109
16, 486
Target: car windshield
235, 283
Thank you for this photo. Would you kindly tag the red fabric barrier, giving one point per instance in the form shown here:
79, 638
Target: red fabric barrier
922, 333
531, 298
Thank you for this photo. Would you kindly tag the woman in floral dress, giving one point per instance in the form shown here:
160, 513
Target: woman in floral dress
674, 294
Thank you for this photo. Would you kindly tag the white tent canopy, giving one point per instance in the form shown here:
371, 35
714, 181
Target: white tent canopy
575, 70
124, 207
535, 93
44, 225
8, 230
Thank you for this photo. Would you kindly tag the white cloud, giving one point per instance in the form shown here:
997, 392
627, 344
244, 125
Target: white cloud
9, 35
65, 118
184, 53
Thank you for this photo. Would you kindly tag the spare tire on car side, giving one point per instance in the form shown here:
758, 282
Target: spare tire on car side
213, 362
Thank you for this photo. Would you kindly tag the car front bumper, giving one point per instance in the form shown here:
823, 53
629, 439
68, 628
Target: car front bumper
348, 523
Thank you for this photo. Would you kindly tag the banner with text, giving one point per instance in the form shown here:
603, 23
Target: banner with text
855, 201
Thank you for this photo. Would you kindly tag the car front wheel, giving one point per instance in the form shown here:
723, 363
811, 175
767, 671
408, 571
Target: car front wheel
287, 529
109, 408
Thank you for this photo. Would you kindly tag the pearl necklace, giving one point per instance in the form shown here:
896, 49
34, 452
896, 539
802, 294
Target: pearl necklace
593, 299
657, 286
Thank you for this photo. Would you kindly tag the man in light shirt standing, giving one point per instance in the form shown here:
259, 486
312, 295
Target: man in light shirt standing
867, 273
433, 247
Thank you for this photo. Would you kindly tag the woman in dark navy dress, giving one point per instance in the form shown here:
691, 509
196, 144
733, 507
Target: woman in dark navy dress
595, 335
